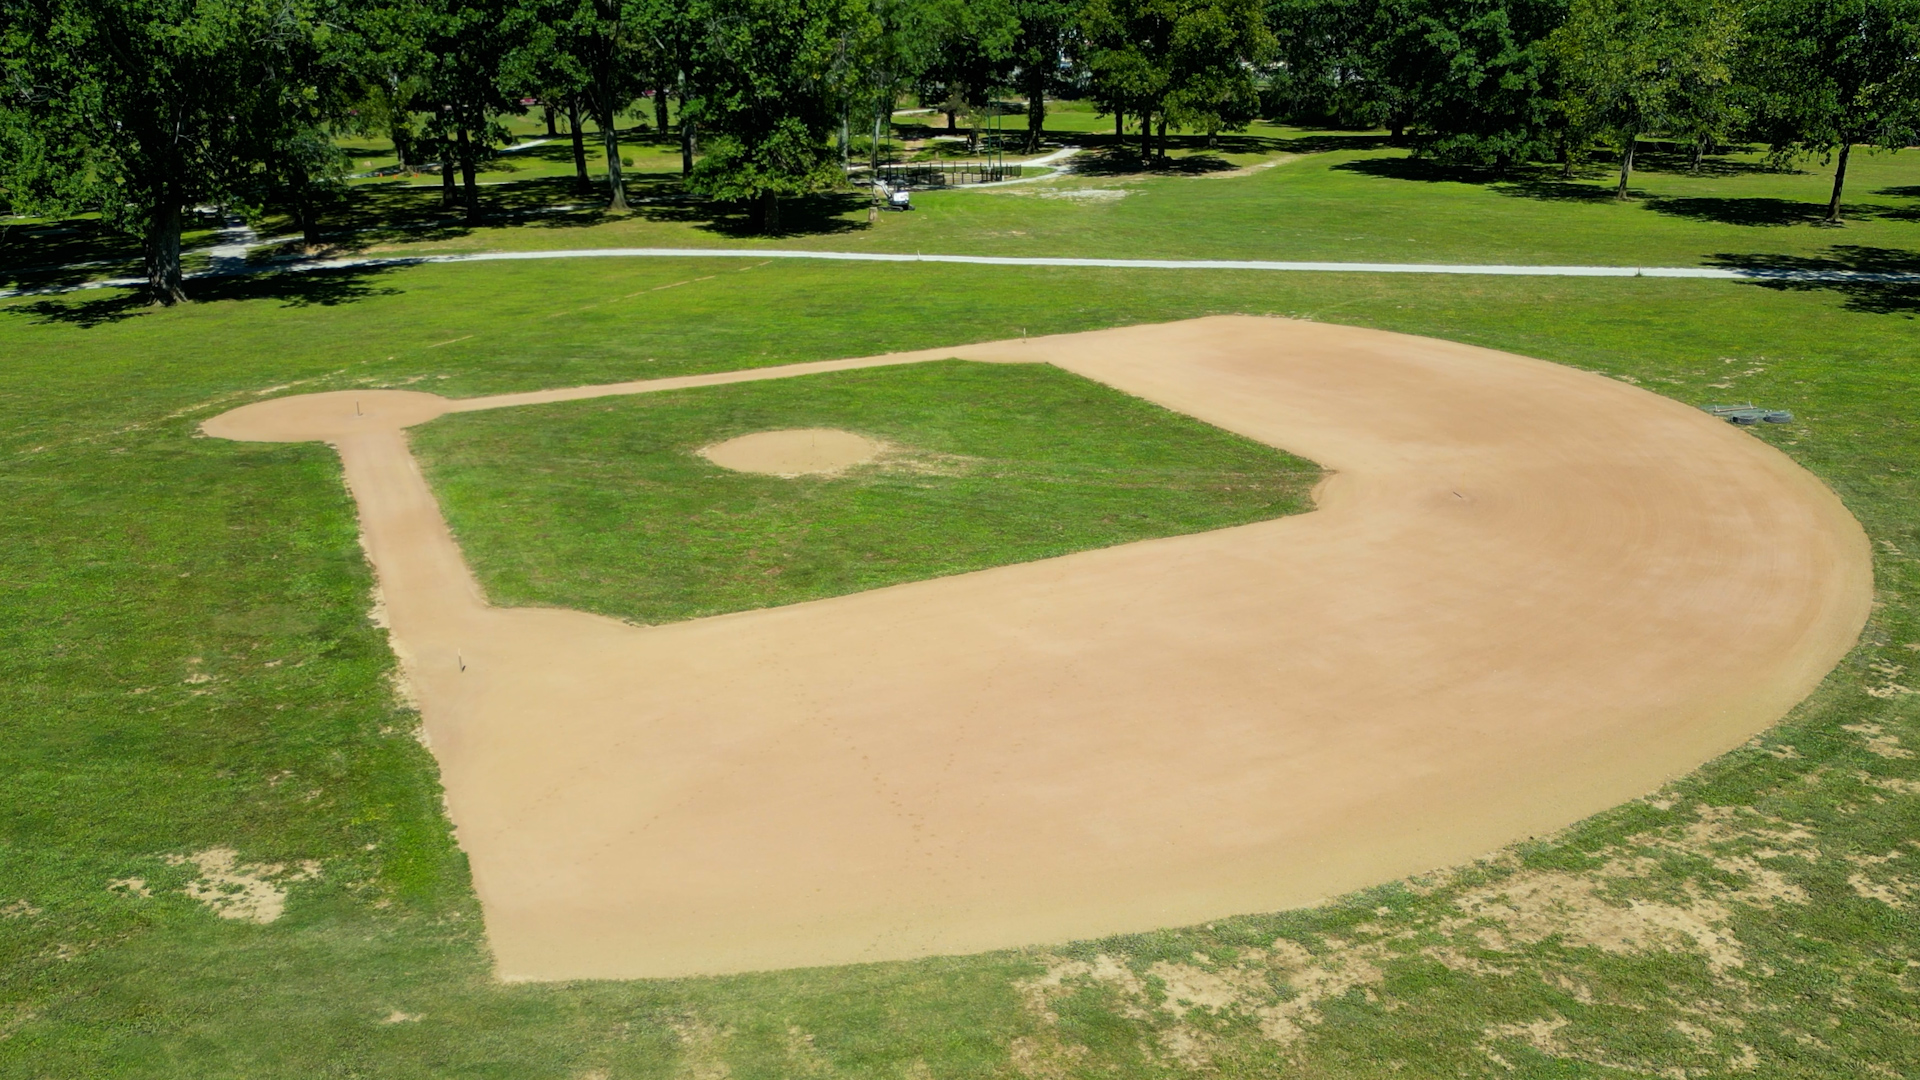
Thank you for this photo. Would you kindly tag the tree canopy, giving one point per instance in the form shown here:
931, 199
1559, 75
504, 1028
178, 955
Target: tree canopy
143, 110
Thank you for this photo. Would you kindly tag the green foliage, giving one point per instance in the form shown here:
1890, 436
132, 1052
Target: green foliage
1828, 74
1631, 66
773, 78
1472, 80
149, 92
960, 50
1479, 79
1186, 61
781, 160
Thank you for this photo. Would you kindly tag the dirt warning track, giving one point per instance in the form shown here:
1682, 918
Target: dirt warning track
1528, 593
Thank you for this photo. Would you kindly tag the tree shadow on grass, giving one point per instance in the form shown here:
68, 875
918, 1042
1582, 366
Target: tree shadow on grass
1106, 155
1879, 296
826, 214
1754, 212
413, 214
1521, 181
1591, 184
324, 288
31, 248
1668, 157
1123, 161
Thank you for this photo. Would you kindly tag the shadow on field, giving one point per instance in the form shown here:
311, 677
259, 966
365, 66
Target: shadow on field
1670, 157
1106, 155
1873, 297
1524, 181
1754, 212
378, 215
324, 288
1594, 183
46, 255
826, 214
1111, 160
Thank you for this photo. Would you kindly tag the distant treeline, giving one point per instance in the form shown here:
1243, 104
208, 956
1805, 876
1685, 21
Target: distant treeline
142, 109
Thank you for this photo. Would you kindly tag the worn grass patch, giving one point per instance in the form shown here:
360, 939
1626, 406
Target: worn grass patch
605, 505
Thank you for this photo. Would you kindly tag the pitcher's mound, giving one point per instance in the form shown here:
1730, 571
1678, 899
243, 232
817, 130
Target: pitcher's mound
794, 452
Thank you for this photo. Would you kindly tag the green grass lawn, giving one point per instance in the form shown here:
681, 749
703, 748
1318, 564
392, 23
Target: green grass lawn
1325, 196
187, 662
604, 505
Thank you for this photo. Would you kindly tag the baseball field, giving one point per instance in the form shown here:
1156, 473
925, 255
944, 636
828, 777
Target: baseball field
409, 670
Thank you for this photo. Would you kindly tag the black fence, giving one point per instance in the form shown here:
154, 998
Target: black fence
926, 174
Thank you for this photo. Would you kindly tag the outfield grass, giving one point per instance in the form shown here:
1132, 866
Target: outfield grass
186, 661
1326, 197
605, 506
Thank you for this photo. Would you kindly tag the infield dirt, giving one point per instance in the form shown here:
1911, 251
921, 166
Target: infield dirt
1528, 593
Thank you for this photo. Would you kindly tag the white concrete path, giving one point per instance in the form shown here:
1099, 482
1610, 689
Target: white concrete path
1495, 269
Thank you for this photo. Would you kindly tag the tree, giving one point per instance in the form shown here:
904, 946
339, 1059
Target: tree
1178, 59
596, 50
1043, 51
1336, 62
469, 45
1478, 78
772, 79
309, 90
963, 50
1830, 74
389, 69
1627, 65
153, 93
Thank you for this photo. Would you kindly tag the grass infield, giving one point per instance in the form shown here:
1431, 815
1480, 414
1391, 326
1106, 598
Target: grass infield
603, 505
187, 663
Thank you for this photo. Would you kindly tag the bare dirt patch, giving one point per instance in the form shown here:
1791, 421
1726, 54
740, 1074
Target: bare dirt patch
248, 892
794, 452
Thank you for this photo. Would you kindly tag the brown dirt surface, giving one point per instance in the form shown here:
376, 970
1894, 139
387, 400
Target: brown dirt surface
793, 452
1528, 593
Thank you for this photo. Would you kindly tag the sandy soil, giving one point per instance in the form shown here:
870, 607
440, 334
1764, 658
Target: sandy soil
793, 452
1528, 593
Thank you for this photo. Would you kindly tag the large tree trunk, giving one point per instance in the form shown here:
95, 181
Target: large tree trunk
1119, 124
766, 212
689, 144
580, 181
1626, 166
469, 184
616, 185
547, 112
1839, 182
447, 197
163, 253
953, 124
1398, 127
1146, 136
1036, 111
402, 145
660, 110
1163, 137
1699, 152
303, 212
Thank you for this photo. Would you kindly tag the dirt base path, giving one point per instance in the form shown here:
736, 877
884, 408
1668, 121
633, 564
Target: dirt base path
1529, 593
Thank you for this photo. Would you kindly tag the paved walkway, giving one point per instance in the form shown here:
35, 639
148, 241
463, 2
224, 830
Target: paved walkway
1494, 269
